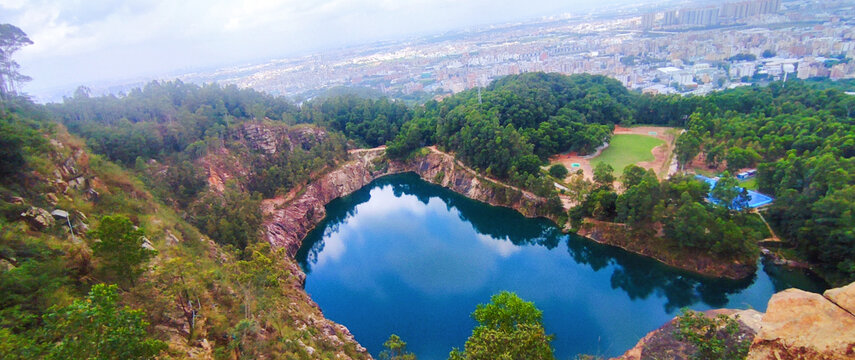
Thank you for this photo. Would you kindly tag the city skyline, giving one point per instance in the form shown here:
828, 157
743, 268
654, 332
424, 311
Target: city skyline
676, 48
104, 41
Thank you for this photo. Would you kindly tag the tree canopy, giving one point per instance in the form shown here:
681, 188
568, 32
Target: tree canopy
508, 328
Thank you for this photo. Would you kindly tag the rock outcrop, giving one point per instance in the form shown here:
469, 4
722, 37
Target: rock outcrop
803, 325
38, 218
663, 344
797, 325
288, 222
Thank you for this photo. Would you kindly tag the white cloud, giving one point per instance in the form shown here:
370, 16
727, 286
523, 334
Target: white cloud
81, 41
502, 247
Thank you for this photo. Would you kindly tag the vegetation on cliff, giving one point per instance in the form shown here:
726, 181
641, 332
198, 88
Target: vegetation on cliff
798, 136
198, 298
714, 338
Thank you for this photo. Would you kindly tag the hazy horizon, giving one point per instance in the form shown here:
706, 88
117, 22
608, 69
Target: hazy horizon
84, 43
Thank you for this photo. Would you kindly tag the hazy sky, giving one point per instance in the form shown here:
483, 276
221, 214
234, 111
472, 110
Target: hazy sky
85, 41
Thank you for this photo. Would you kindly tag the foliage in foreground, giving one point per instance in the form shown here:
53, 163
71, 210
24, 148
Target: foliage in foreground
509, 328
121, 248
94, 328
715, 338
396, 349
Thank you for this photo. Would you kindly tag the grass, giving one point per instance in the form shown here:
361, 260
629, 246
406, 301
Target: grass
626, 149
750, 184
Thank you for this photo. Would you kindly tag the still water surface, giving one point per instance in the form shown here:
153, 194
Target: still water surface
408, 257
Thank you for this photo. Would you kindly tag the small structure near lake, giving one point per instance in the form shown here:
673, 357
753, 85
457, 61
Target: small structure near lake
745, 175
755, 199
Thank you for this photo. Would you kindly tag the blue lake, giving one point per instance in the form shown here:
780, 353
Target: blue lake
408, 257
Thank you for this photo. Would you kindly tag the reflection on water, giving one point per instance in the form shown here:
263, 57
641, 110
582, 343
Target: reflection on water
408, 257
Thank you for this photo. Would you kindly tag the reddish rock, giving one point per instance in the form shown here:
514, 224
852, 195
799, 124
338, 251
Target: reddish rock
286, 224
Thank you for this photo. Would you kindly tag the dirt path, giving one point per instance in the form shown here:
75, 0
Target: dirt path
477, 174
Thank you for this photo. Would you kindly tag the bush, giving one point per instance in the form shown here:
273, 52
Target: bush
558, 171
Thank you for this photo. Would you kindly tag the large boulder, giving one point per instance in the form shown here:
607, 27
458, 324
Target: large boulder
843, 297
804, 325
38, 218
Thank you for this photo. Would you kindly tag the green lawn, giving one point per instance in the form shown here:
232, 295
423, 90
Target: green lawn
750, 184
626, 149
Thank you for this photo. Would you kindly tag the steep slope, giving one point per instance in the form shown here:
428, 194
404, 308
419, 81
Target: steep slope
201, 299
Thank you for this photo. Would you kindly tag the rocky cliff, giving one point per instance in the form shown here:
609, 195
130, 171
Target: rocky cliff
288, 220
797, 325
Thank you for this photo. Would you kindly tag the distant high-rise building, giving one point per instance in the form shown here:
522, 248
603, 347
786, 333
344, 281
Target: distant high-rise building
743, 9
671, 18
699, 17
647, 21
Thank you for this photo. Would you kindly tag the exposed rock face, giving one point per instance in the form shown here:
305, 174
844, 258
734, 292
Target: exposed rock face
797, 325
266, 139
38, 218
803, 325
443, 169
286, 225
843, 297
221, 166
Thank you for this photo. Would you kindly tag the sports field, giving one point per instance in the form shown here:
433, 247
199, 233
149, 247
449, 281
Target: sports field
625, 149
647, 146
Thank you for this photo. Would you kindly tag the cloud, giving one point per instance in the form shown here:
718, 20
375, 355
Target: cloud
78, 41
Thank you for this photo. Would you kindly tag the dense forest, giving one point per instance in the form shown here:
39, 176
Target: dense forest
801, 138
798, 134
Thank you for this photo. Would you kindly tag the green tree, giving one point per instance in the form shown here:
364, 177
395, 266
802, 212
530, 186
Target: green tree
714, 338
509, 328
727, 190
12, 39
689, 224
11, 151
635, 205
738, 158
97, 328
396, 349
604, 174
632, 175
558, 171
120, 248
231, 218
688, 146
258, 272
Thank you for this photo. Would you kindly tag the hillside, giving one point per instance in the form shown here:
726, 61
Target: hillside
202, 299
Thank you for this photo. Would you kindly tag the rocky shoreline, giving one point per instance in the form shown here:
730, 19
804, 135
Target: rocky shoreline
618, 235
288, 221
